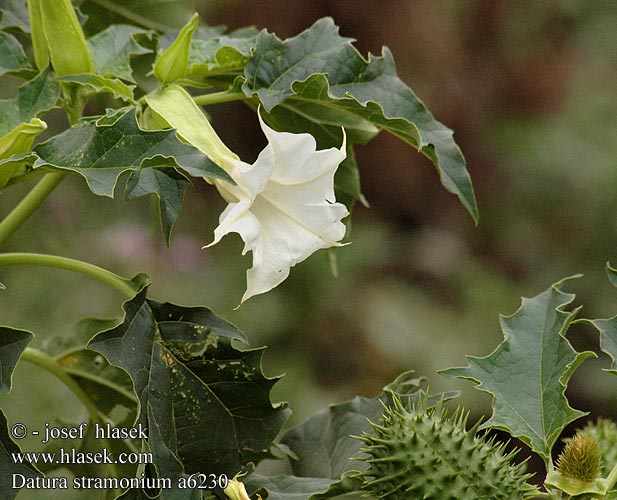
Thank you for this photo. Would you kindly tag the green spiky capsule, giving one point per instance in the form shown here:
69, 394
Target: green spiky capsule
604, 431
580, 459
421, 453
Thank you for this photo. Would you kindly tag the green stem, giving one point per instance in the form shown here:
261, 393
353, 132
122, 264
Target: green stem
103, 275
41, 359
29, 204
218, 97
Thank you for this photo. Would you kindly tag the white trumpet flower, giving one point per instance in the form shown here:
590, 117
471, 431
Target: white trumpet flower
283, 206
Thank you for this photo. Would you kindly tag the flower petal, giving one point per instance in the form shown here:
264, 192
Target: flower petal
284, 241
297, 159
295, 210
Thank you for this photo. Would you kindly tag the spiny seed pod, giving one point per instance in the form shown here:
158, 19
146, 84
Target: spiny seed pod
604, 431
421, 453
580, 459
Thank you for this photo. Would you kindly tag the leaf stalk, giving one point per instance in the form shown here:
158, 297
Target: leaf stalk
28, 204
218, 97
103, 275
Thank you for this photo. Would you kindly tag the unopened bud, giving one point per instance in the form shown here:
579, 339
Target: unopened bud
173, 63
57, 35
235, 490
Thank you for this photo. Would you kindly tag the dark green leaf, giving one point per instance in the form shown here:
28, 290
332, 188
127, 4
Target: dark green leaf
113, 48
186, 371
37, 96
170, 463
324, 445
321, 77
12, 56
34, 98
8, 467
12, 344
108, 387
14, 14
528, 372
102, 153
166, 183
101, 84
77, 336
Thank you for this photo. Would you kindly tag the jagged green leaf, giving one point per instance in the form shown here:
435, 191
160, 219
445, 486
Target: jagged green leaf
320, 76
112, 49
14, 14
166, 183
34, 98
221, 57
12, 56
100, 154
12, 344
528, 372
8, 466
97, 84
191, 380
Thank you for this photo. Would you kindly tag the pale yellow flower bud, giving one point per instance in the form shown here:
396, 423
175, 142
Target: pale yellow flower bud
236, 491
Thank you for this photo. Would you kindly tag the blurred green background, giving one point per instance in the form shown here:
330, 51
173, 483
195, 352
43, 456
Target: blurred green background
529, 89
